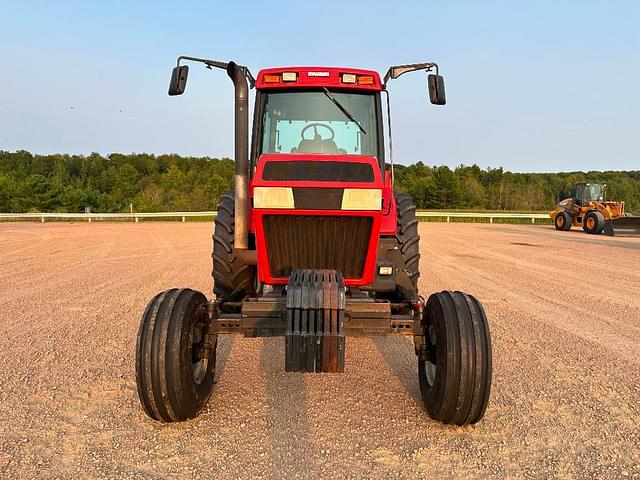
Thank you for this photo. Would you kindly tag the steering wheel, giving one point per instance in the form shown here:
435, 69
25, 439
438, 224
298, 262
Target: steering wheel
315, 131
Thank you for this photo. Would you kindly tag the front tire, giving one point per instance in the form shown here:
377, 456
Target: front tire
173, 377
593, 222
455, 368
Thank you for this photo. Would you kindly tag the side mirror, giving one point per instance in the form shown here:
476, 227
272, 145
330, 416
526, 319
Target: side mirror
436, 89
178, 80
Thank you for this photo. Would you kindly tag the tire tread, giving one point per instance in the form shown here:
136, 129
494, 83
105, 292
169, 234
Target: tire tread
162, 377
407, 235
232, 278
462, 386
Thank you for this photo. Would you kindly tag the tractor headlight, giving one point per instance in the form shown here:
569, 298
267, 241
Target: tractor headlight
362, 199
273, 197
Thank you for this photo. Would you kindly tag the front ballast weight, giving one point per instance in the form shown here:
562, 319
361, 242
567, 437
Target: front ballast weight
177, 340
314, 338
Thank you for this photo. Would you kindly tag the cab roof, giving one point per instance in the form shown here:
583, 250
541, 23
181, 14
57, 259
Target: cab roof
309, 77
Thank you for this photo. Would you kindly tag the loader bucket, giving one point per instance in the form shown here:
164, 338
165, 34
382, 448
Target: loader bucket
626, 225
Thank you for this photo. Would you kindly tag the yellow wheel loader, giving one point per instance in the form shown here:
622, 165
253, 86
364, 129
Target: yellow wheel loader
586, 207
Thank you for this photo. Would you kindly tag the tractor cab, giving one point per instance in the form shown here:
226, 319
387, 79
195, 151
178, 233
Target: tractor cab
330, 111
586, 193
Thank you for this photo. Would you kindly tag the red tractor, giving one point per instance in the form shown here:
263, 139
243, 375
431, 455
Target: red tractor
313, 245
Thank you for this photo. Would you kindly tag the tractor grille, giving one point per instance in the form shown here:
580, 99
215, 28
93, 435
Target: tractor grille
317, 242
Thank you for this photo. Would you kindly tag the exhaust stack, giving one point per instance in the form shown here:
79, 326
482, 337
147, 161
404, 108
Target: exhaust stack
241, 114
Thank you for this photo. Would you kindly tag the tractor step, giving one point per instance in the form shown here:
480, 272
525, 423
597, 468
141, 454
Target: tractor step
314, 336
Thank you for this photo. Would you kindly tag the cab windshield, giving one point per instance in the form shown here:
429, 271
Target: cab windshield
589, 192
310, 122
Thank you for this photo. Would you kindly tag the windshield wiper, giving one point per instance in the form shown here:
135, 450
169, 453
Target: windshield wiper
342, 109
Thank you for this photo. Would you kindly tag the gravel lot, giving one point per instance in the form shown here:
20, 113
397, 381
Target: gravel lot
564, 310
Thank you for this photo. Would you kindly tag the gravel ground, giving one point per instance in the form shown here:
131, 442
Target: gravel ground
563, 308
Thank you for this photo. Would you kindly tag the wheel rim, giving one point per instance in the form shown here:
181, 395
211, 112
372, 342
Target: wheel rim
198, 364
590, 223
560, 221
430, 368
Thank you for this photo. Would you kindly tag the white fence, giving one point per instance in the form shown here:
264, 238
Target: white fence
105, 216
184, 215
490, 215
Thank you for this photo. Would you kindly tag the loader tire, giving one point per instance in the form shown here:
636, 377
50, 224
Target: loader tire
408, 242
562, 221
174, 379
233, 279
455, 368
593, 222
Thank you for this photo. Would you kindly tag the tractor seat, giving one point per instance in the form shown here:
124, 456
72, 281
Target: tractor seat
316, 145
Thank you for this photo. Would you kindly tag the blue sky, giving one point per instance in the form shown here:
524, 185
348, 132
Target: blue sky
531, 86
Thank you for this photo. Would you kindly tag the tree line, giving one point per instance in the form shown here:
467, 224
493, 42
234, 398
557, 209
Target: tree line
150, 183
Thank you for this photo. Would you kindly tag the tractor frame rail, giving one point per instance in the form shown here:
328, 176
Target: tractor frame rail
266, 316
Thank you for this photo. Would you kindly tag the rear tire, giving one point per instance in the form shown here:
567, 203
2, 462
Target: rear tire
409, 244
593, 222
174, 382
233, 279
562, 221
455, 370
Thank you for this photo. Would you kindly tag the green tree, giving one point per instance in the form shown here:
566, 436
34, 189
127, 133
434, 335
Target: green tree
169, 182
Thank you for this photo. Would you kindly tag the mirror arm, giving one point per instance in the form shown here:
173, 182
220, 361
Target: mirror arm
397, 70
222, 65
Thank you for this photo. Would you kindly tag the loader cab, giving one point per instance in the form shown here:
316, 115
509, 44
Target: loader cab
585, 193
327, 111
